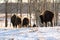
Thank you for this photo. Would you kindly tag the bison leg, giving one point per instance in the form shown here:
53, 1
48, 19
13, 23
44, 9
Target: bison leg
13, 25
45, 24
25, 25
16, 26
51, 24
19, 26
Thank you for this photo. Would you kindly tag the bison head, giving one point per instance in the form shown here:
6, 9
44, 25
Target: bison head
41, 18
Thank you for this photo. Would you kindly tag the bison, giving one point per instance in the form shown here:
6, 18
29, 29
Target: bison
34, 25
47, 16
15, 20
25, 22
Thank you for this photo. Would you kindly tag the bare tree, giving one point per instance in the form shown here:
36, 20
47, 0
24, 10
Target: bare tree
54, 7
6, 1
29, 1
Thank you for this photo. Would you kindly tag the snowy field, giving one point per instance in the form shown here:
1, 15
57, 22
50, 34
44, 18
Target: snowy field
36, 33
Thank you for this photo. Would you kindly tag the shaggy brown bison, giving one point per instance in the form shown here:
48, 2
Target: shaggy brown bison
47, 17
15, 20
25, 22
34, 25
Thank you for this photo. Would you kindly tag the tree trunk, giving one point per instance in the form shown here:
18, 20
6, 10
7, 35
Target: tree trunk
6, 14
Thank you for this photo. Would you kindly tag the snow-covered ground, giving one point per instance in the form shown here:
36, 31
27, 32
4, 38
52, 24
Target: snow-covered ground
36, 33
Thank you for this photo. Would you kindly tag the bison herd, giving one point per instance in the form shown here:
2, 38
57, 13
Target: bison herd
15, 20
47, 16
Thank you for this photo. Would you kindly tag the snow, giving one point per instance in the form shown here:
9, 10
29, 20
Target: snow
33, 33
